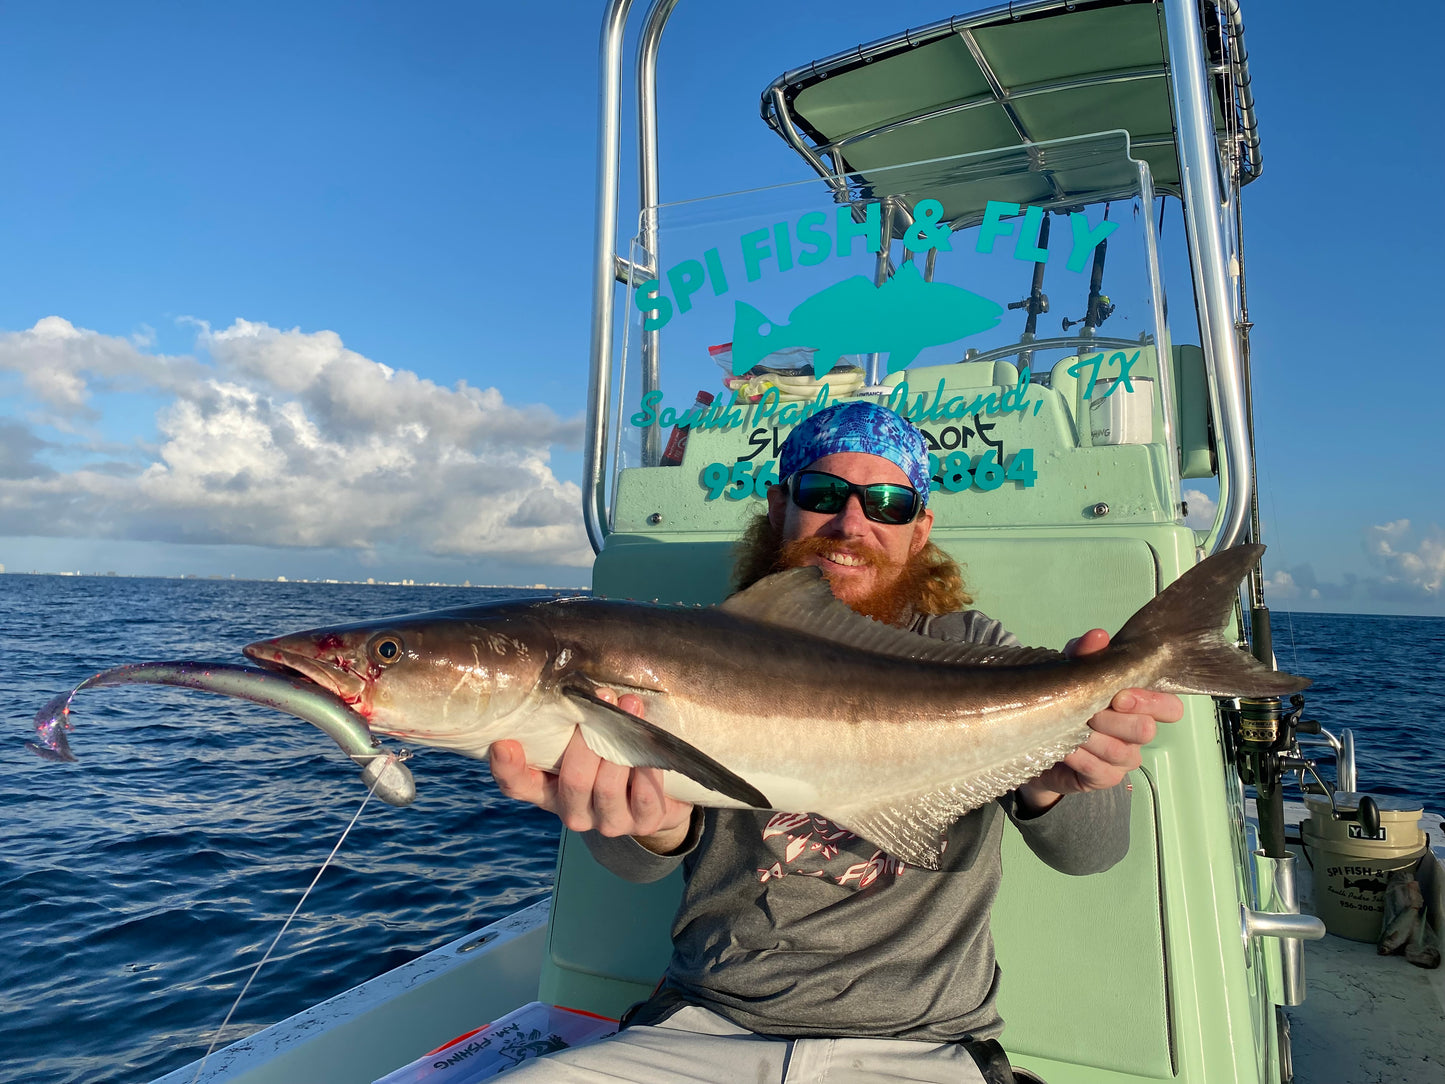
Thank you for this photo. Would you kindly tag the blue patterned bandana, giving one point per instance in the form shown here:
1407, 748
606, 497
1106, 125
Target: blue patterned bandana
858, 427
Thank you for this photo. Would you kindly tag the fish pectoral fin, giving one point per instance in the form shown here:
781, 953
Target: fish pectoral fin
800, 599
623, 738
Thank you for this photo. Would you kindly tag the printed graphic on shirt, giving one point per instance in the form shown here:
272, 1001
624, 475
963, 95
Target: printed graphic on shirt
813, 846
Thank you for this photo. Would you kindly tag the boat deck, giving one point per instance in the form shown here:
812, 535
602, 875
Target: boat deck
1368, 1018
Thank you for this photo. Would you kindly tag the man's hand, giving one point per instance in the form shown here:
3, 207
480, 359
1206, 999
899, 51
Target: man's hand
590, 793
1119, 731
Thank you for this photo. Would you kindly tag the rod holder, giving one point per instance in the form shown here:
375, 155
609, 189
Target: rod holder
1279, 918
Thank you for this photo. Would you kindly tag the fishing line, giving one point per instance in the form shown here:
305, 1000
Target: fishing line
285, 925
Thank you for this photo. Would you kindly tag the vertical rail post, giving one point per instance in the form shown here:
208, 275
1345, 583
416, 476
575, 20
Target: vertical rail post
649, 195
1200, 185
604, 271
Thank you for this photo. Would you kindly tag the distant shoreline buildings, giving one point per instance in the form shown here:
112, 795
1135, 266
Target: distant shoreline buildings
370, 581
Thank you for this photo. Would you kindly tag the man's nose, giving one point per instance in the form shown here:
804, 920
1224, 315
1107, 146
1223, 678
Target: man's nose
850, 517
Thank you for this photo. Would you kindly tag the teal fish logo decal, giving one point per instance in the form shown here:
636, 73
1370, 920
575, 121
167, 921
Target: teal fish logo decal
899, 318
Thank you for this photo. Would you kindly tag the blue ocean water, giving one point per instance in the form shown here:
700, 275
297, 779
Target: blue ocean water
1384, 678
140, 886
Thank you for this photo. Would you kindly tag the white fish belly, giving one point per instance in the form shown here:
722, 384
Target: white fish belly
821, 765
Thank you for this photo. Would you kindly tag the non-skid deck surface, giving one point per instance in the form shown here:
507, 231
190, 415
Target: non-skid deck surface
1366, 1018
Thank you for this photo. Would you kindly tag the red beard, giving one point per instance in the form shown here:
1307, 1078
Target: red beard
892, 600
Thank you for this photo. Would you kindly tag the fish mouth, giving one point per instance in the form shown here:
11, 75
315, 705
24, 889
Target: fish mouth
339, 679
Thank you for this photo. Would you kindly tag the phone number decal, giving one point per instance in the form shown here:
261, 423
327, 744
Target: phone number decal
953, 473
745, 479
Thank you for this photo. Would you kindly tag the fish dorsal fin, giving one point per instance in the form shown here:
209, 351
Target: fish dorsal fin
623, 738
915, 827
800, 599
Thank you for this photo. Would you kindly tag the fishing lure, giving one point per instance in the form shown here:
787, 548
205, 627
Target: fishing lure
383, 771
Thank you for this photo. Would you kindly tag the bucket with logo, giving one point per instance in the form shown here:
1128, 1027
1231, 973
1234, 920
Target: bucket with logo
1351, 865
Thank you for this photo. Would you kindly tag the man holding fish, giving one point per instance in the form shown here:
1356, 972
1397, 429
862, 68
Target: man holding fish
850, 775
794, 929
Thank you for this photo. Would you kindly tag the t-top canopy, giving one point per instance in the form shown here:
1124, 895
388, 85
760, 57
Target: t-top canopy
1000, 79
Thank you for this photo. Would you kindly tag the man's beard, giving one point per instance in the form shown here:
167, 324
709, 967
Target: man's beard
892, 598
928, 582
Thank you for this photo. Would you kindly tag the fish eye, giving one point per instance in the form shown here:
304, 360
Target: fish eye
385, 649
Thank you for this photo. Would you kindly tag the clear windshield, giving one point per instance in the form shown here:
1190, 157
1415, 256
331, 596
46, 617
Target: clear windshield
1009, 303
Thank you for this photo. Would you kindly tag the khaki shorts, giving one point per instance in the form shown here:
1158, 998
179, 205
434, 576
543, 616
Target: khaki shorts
695, 1046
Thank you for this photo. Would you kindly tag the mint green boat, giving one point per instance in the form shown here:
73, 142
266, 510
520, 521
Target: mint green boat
999, 202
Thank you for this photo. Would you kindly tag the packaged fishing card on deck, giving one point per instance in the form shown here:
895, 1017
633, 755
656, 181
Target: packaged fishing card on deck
527, 1032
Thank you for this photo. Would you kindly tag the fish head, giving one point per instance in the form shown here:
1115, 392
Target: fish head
432, 679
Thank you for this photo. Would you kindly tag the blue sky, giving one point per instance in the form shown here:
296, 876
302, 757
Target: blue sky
221, 228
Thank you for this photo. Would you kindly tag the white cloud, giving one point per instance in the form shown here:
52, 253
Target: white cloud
1421, 568
1408, 576
1279, 584
1201, 510
287, 438
344, 391
61, 365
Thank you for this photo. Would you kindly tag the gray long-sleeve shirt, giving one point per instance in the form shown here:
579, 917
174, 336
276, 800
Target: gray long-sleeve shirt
791, 926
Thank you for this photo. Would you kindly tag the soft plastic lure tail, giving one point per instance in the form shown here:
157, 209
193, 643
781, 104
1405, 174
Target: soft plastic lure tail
289, 693
51, 723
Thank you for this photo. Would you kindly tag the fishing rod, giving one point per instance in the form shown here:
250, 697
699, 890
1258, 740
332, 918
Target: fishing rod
1265, 730
1037, 302
1099, 307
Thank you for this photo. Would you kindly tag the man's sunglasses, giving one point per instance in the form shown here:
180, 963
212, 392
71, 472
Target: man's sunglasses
882, 502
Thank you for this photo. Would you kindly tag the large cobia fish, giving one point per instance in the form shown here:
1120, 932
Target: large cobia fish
779, 698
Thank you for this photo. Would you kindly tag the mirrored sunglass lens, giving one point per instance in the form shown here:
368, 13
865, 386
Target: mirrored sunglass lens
889, 503
820, 492
883, 502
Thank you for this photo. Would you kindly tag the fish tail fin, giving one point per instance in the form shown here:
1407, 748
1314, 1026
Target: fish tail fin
60, 754
750, 344
1187, 619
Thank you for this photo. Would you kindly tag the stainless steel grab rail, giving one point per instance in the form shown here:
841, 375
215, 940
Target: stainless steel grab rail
1199, 178
604, 270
